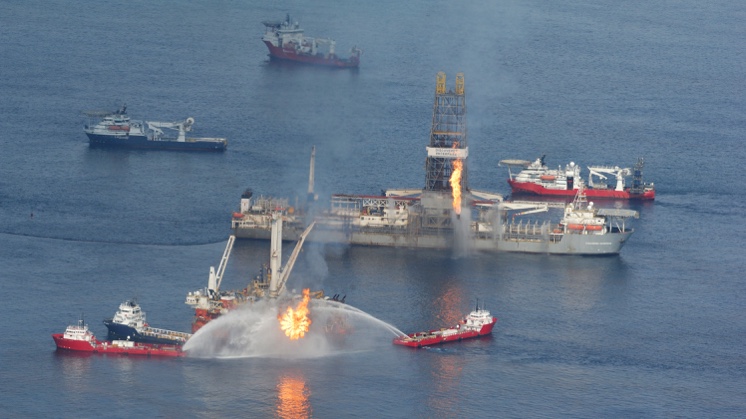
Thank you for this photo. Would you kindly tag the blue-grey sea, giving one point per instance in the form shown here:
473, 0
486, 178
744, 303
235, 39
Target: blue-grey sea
658, 331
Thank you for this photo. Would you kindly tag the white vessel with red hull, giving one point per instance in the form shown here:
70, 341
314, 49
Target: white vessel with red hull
478, 323
286, 41
535, 178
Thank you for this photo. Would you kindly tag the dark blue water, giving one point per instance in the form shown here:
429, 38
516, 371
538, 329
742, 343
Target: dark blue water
657, 331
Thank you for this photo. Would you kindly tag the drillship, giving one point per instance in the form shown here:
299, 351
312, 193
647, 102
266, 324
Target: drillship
447, 214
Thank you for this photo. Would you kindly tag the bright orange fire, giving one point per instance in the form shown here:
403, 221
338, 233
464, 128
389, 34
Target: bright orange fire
295, 323
455, 180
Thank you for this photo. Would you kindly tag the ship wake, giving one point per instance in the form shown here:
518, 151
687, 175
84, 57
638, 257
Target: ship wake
253, 331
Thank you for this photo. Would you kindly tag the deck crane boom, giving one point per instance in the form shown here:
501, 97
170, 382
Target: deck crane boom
216, 278
182, 126
602, 171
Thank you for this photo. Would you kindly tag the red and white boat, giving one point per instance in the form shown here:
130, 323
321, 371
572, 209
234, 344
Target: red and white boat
536, 178
478, 323
286, 41
79, 338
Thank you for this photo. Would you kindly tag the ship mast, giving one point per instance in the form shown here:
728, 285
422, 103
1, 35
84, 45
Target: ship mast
311, 174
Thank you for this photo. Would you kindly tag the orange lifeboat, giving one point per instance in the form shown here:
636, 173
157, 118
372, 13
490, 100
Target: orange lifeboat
237, 215
547, 177
584, 227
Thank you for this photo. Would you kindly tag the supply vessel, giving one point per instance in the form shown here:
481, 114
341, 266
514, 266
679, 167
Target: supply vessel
604, 182
286, 41
117, 130
78, 338
129, 323
478, 323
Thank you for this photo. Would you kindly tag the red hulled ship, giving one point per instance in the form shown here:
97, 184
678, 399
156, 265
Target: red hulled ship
286, 41
478, 323
80, 339
536, 178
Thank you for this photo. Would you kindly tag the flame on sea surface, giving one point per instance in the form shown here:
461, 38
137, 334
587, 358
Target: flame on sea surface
295, 322
455, 180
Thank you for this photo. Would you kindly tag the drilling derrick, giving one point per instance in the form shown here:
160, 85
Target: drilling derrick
447, 136
445, 167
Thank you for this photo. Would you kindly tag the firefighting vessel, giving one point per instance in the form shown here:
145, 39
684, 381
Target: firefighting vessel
129, 323
211, 302
79, 338
286, 41
478, 323
117, 130
536, 178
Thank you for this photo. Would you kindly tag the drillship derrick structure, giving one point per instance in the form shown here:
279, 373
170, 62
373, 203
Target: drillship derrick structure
448, 141
447, 153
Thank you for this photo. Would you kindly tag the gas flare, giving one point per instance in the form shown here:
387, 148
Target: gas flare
295, 322
455, 180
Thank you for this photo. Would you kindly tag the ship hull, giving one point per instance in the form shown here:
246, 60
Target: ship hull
434, 337
118, 331
557, 244
319, 59
142, 142
114, 349
263, 234
528, 188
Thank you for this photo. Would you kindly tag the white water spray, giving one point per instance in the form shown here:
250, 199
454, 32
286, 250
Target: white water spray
253, 331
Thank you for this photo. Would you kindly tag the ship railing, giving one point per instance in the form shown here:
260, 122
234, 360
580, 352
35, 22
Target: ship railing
380, 229
250, 223
344, 212
536, 231
153, 331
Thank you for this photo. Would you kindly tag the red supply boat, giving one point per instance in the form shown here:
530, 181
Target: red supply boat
286, 41
478, 323
79, 339
537, 179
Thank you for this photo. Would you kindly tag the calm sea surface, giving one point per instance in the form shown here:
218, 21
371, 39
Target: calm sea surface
658, 331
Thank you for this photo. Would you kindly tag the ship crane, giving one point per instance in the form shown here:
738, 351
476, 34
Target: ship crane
329, 42
278, 275
209, 298
213, 283
602, 171
183, 127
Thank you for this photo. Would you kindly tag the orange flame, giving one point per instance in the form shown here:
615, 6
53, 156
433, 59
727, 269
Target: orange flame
455, 180
295, 323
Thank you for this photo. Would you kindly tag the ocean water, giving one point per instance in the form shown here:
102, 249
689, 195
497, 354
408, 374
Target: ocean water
657, 331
